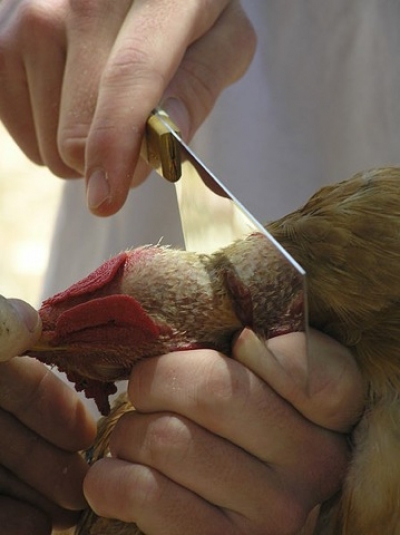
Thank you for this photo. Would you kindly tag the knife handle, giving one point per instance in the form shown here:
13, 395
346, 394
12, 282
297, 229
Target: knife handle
160, 148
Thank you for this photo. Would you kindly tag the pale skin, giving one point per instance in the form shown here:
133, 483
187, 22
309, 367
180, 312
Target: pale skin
215, 449
77, 82
211, 444
78, 79
43, 426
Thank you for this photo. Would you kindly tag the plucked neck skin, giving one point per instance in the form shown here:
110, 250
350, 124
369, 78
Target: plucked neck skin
205, 296
347, 238
153, 300
177, 289
194, 300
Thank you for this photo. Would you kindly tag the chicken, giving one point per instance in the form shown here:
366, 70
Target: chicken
151, 300
140, 304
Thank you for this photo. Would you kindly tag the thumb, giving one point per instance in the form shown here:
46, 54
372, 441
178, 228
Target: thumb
317, 375
20, 327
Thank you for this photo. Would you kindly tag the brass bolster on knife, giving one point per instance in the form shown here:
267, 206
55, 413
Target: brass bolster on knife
160, 148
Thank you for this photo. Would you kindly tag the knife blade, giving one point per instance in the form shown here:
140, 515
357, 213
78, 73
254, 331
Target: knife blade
211, 216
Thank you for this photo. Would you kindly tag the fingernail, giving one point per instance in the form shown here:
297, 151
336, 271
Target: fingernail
27, 314
179, 114
98, 189
248, 343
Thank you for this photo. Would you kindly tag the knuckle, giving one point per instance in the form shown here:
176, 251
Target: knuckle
200, 79
73, 128
89, 10
148, 487
166, 436
218, 387
132, 65
85, 8
122, 62
34, 21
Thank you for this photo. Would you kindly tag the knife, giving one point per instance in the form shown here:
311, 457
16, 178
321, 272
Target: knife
211, 216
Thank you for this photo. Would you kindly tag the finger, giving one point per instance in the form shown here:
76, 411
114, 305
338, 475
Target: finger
91, 26
145, 56
135, 493
19, 518
55, 473
45, 404
17, 498
181, 449
29, 101
18, 119
321, 378
228, 399
140, 494
212, 63
20, 327
47, 29
210, 466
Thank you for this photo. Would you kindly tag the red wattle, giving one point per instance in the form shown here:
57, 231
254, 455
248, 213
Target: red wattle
116, 310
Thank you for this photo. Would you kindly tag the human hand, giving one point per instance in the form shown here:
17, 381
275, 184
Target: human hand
42, 426
212, 448
20, 327
79, 79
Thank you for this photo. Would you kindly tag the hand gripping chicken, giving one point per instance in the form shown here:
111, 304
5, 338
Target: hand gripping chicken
152, 300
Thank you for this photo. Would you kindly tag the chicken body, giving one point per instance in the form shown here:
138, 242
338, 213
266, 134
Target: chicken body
347, 237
